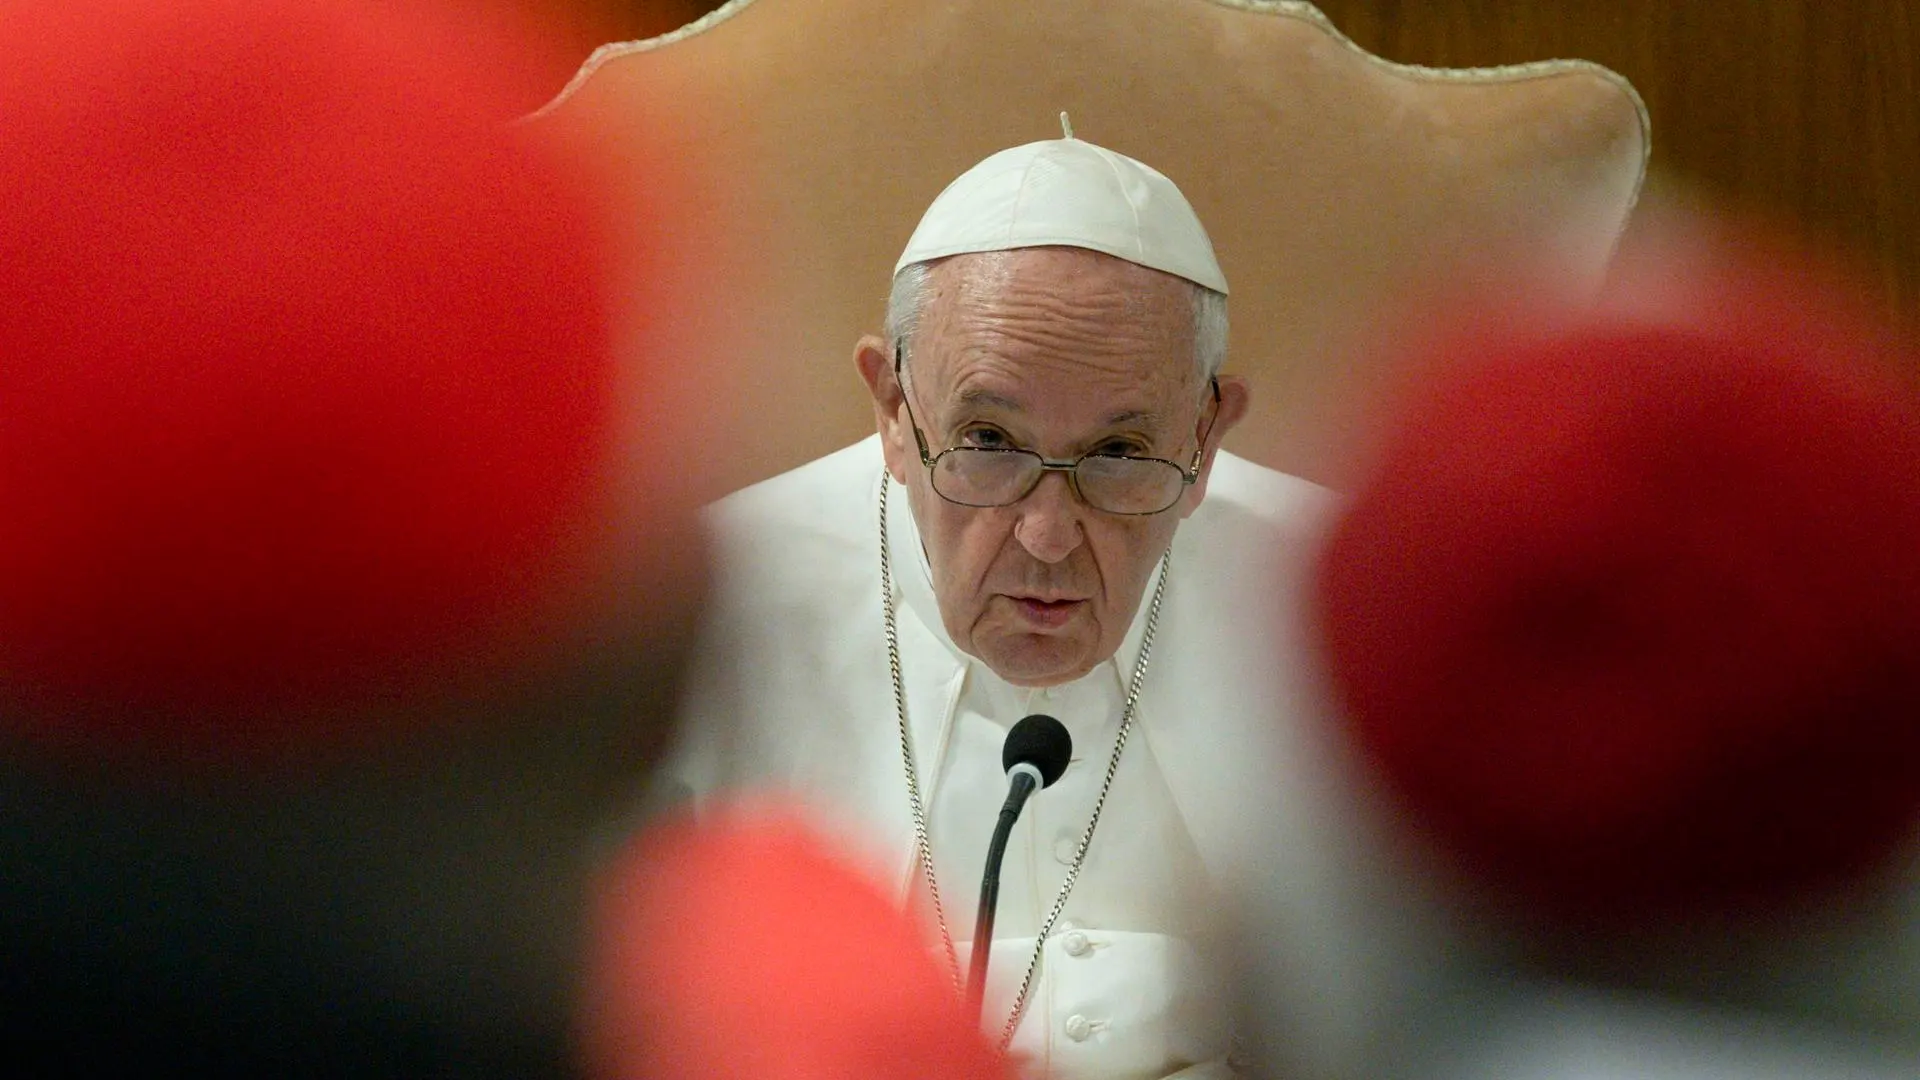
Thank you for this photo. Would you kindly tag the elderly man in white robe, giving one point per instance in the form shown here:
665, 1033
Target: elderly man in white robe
1043, 523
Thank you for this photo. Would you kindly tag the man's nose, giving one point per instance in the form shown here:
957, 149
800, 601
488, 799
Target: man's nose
1049, 521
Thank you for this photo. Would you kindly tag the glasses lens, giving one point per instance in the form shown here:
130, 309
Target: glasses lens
972, 476
1124, 485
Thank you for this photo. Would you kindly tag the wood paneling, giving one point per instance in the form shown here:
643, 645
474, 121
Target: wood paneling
1807, 111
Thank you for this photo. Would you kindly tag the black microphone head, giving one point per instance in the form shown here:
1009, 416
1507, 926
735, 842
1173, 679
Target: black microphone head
1042, 742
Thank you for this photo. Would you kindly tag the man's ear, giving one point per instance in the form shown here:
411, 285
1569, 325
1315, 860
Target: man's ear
1235, 395
874, 357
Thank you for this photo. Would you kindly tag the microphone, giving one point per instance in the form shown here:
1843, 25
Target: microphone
1035, 754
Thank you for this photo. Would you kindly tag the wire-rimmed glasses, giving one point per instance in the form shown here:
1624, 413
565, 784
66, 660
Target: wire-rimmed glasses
986, 476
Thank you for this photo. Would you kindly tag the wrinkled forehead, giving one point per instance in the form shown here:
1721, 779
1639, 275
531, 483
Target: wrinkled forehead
1123, 289
1064, 308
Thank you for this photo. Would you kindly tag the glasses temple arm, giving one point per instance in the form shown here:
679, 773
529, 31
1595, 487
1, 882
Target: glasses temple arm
1193, 472
899, 351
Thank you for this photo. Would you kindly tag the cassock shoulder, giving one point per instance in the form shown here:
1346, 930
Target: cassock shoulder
1257, 529
798, 529
790, 637
1254, 496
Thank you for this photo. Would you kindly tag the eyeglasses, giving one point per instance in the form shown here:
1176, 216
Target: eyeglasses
984, 476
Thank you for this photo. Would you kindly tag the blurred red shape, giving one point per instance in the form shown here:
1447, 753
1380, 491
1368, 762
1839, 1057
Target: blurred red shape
743, 949
308, 393
1628, 617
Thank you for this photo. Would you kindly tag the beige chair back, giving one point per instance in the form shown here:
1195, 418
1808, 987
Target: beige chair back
1332, 182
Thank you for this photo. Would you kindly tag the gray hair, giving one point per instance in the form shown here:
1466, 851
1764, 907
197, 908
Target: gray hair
911, 290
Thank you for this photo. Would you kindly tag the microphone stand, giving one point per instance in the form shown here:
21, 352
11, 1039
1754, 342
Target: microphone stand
1025, 779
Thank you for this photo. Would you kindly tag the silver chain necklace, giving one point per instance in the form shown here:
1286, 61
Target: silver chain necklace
924, 846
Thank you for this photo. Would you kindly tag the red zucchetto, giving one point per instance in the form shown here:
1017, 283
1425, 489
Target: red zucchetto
1628, 616
741, 948
309, 396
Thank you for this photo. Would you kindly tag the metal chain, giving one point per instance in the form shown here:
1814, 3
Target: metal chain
925, 846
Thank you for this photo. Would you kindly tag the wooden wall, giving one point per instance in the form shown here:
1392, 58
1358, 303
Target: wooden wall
1807, 111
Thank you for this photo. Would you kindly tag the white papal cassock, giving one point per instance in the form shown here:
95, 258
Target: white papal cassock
792, 695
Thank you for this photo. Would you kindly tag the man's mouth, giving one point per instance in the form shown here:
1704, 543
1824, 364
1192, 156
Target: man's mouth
1046, 612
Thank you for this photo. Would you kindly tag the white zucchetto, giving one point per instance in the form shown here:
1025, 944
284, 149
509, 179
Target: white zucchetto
1069, 193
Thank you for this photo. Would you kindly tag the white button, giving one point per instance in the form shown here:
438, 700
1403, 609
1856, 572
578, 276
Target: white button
1064, 847
1076, 944
1079, 1027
